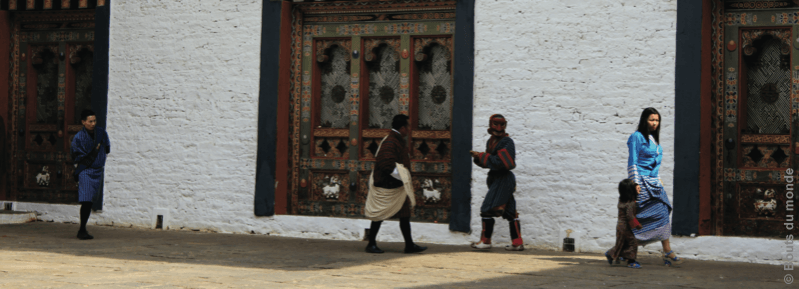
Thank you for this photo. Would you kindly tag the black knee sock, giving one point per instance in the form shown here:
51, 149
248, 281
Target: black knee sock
405, 227
85, 211
514, 229
373, 229
515, 232
488, 227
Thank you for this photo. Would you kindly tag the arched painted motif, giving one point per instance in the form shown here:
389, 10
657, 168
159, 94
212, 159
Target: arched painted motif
334, 84
384, 82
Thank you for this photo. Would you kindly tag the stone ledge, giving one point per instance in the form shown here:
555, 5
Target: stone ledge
16, 217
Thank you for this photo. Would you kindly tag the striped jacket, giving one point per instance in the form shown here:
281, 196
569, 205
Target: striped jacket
500, 158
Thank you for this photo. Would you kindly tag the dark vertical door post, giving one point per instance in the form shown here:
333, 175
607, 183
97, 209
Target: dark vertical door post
283, 110
706, 115
5, 66
102, 24
462, 117
687, 115
267, 109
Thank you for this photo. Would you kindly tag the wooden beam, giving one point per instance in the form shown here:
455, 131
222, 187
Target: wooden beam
283, 101
705, 131
5, 122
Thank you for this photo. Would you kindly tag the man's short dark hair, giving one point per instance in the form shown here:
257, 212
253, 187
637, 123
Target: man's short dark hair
86, 114
399, 121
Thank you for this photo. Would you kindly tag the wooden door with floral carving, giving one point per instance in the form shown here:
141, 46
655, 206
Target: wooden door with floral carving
351, 74
756, 97
52, 61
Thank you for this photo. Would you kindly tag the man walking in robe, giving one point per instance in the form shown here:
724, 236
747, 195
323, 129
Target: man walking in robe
390, 188
89, 150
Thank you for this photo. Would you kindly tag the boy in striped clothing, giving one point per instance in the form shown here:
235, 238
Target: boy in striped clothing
500, 158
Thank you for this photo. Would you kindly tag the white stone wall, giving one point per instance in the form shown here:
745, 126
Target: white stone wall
182, 111
571, 76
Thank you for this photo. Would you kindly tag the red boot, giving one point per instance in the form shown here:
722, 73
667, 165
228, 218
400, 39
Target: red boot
516, 236
485, 235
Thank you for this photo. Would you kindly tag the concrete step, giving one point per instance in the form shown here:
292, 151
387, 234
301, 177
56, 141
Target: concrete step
16, 217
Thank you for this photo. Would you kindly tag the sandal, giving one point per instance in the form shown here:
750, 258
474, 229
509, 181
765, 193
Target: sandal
634, 265
669, 261
610, 259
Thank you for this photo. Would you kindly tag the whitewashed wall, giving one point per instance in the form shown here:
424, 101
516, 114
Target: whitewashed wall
183, 100
571, 76
182, 111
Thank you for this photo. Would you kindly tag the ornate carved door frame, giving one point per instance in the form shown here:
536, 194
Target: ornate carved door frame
329, 165
49, 50
755, 91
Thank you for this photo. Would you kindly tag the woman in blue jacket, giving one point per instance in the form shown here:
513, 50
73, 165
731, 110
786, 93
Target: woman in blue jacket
643, 167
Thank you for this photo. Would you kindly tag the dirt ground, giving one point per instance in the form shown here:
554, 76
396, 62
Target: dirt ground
47, 255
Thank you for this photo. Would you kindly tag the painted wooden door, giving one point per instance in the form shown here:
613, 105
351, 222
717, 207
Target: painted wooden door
757, 91
354, 78
52, 58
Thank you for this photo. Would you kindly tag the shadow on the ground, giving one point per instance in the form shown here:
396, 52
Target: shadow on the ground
598, 274
295, 254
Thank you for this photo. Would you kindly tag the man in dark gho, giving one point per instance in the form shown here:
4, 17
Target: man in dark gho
390, 188
500, 158
89, 150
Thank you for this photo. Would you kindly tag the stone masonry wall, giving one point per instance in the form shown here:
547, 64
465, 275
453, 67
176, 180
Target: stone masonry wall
571, 76
183, 112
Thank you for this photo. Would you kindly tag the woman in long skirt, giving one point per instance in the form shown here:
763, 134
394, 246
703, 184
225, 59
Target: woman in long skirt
643, 166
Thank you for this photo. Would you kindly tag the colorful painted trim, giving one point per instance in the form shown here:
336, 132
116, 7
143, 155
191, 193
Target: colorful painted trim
731, 96
506, 159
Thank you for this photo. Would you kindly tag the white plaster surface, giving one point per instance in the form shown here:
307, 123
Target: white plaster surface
51, 212
17, 217
183, 111
570, 76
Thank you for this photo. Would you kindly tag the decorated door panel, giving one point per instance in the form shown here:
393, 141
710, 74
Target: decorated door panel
51, 85
756, 89
351, 75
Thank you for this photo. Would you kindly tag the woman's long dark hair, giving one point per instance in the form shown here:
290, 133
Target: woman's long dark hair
627, 191
643, 126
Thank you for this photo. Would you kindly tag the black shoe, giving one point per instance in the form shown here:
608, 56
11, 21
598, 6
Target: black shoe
414, 249
84, 235
373, 249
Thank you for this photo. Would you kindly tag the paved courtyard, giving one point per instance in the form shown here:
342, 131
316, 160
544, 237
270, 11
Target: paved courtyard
47, 255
